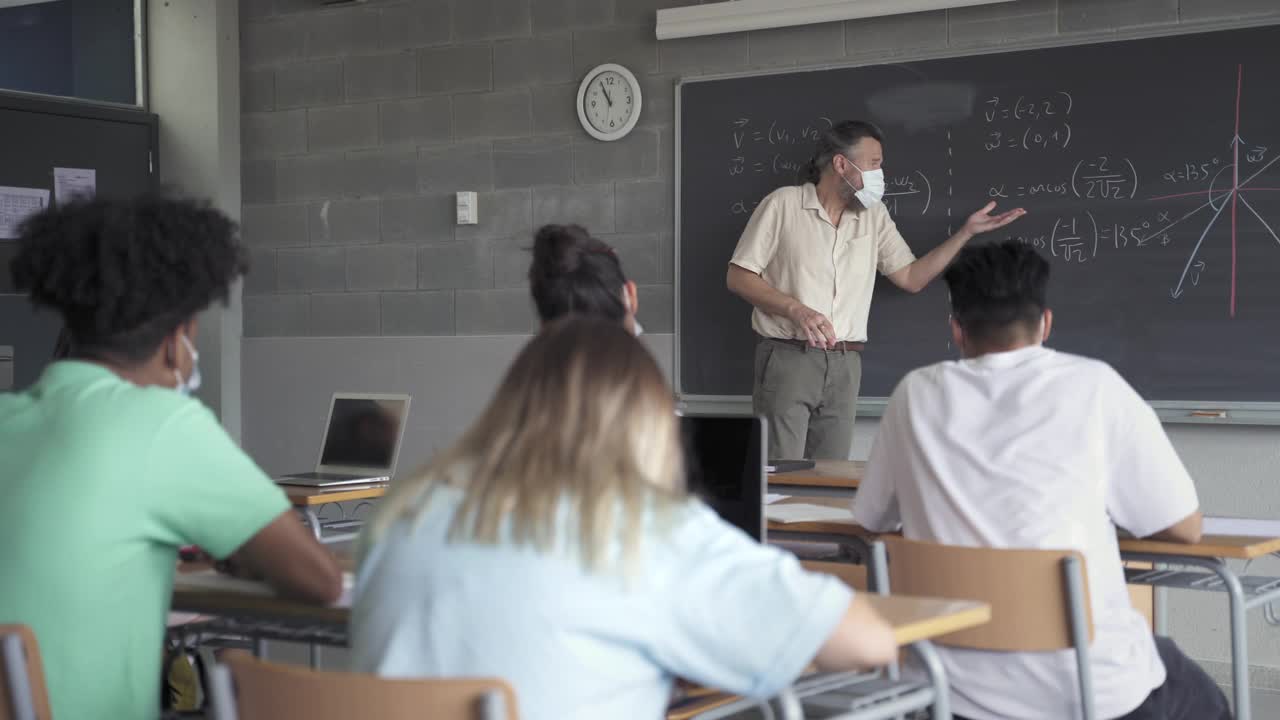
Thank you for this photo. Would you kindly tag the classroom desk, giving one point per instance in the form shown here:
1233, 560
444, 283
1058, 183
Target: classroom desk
915, 622
827, 478
309, 501
1203, 567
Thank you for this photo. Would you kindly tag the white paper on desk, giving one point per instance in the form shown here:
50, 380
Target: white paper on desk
221, 582
771, 498
1246, 527
72, 183
18, 204
804, 512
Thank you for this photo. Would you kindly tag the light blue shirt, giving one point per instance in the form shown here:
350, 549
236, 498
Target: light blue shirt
705, 603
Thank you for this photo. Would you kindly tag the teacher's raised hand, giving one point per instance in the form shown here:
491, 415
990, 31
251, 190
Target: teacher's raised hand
983, 221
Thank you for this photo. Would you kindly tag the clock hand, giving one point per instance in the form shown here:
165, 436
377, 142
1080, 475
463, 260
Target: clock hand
606, 95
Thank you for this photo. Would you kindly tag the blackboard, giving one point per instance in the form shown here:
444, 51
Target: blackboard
1150, 169
38, 134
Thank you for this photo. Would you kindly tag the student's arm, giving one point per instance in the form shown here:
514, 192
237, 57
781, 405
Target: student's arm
876, 503
288, 557
861, 641
1188, 530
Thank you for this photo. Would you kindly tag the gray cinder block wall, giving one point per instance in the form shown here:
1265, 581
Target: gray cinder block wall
361, 122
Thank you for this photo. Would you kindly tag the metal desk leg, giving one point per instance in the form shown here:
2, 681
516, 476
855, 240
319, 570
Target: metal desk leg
1239, 642
311, 520
1160, 596
938, 676
260, 648
313, 656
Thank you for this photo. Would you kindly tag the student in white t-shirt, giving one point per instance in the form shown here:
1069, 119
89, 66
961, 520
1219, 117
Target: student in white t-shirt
555, 546
1019, 446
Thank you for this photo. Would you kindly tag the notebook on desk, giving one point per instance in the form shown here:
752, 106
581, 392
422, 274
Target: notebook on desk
786, 466
361, 442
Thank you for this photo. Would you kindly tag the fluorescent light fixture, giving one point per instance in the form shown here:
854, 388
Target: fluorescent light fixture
16, 3
744, 15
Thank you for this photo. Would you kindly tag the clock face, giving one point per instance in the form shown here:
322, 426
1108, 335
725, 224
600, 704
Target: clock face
609, 102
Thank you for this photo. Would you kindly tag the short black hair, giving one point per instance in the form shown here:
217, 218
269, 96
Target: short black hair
839, 139
573, 272
123, 274
998, 289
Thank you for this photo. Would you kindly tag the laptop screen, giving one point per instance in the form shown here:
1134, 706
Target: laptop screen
725, 462
362, 432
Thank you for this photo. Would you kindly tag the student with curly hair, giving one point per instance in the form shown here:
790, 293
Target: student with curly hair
109, 466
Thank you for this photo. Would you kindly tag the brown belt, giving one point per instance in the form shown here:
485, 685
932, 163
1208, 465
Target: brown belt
841, 346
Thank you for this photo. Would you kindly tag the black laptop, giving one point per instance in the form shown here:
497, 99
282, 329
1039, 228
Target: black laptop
725, 461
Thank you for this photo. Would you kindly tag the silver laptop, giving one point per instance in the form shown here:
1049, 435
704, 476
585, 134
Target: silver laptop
361, 443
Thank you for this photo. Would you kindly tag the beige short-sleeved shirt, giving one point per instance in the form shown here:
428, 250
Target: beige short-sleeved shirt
792, 244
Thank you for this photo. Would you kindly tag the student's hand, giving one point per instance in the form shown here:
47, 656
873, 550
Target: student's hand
817, 328
983, 221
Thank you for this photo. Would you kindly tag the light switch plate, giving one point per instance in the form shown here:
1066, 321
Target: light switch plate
468, 210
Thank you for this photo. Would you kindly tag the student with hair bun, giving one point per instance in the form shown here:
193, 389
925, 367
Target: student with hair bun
573, 272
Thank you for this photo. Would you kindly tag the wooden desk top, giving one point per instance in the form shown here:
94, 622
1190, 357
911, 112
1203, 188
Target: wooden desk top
824, 473
208, 593
310, 497
831, 527
1235, 547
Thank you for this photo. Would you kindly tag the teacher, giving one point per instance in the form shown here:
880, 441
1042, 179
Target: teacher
807, 262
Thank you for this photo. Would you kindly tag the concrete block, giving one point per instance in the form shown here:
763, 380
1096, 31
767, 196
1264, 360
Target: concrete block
258, 181
545, 60
703, 54
417, 313
416, 122
494, 312
555, 109
644, 206
896, 33
491, 19
341, 32
311, 269
1003, 22
556, 15
659, 100
533, 161
644, 12
256, 11
464, 68
307, 84
271, 42
382, 172
797, 45
638, 255
345, 315
1108, 15
632, 46
345, 222
459, 265
273, 133
274, 225
1216, 9
461, 166
261, 278
311, 177
591, 206
635, 156
666, 258
417, 24
657, 308
425, 220
503, 213
504, 114
257, 90
277, 315
377, 77
382, 267
667, 153
342, 127
511, 258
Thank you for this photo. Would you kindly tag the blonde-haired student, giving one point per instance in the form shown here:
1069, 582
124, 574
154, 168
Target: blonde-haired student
555, 546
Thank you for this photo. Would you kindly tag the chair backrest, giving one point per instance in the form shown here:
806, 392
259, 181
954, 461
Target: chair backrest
1027, 590
266, 691
855, 576
23, 695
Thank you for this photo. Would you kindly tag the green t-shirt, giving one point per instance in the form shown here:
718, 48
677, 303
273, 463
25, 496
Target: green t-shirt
101, 482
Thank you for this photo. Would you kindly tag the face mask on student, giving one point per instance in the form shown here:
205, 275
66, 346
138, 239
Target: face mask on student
191, 384
872, 186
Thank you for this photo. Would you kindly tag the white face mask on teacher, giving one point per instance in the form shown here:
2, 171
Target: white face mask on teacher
873, 186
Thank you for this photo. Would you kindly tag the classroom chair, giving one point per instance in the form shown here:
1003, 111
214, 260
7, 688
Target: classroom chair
1049, 611
23, 695
245, 688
